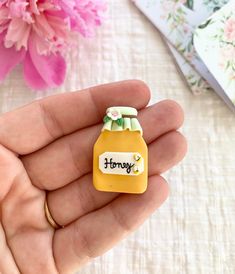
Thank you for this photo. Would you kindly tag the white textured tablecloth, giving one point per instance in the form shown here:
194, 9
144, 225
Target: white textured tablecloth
194, 231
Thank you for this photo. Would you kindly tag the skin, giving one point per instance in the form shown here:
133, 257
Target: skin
46, 149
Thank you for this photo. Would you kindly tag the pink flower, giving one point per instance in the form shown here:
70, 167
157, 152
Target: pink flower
37, 33
169, 6
114, 113
229, 29
227, 54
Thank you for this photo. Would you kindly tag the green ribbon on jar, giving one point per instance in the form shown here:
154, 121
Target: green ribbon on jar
121, 118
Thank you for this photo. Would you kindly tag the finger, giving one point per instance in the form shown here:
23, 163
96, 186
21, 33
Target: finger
30, 128
70, 157
8, 263
160, 118
80, 197
95, 233
70, 202
166, 152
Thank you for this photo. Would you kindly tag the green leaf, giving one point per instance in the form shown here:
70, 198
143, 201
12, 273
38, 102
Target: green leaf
120, 121
202, 26
215, 9
106, 119
189, 4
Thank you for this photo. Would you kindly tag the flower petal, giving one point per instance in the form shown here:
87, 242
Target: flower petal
32, 78
51, 68
9, 58
17, 34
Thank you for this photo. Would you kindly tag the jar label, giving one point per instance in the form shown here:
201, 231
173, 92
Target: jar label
121, 163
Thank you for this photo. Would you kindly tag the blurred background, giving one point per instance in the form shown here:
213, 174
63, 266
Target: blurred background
193, 232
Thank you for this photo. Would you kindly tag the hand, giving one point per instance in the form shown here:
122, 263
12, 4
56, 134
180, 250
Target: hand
47, 147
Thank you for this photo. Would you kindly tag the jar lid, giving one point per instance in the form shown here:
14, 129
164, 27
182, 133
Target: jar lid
123, 110
119, 118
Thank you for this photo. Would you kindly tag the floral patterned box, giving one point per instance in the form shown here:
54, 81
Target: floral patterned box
196, 83
214, 41
177, 20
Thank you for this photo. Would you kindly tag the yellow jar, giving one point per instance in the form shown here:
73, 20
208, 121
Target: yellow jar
120, 157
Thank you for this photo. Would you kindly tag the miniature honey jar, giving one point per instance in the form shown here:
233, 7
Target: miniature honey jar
120, 156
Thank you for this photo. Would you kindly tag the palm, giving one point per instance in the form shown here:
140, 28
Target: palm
46, 147
28, 234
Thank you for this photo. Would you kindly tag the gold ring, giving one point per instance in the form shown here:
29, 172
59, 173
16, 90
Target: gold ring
49, 217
